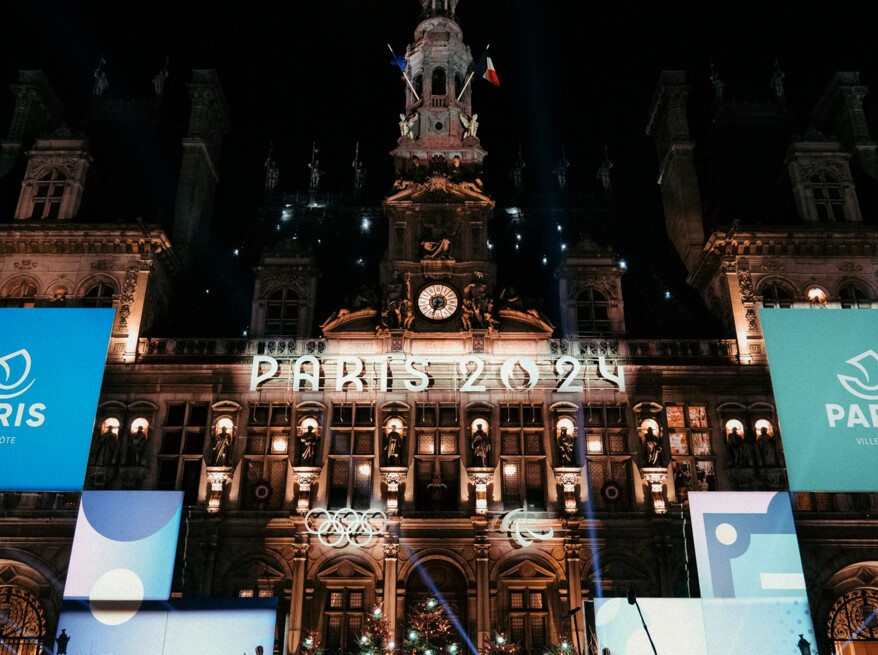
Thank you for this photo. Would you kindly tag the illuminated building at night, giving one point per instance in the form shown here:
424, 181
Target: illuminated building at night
437, 430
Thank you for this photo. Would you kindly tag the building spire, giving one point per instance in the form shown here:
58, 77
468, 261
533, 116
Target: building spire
438, 8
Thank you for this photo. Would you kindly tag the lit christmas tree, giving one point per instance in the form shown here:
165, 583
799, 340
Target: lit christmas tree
499, 645
564, 647
311, 644
429, 631
375, 639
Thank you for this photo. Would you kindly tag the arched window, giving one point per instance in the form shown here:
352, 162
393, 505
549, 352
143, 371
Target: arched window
774, 295
23, 624
438, 85
853, 619
853, 296
282, 313
100, 295
592, 312
828, 197
48, 191
21, 293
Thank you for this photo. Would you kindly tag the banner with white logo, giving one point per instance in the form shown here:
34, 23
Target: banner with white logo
51, 367
824, 370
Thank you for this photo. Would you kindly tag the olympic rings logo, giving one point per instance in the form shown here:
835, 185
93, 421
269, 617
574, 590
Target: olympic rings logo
334, 529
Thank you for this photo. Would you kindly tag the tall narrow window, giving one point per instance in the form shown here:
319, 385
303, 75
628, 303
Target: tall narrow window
523, 456
592, 312
437, 458
608, 455
265, 455
344, 619
438, 82
48, 192
828, 195
282, 313
528, 616
351, 454
182, 449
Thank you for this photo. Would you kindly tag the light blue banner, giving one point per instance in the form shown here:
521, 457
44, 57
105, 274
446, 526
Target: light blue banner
824, 370
124, 546
51, 367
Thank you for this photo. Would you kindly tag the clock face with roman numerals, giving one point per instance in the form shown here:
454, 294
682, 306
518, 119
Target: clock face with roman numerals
438, 302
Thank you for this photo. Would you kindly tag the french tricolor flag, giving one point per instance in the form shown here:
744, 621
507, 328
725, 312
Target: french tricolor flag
485, 68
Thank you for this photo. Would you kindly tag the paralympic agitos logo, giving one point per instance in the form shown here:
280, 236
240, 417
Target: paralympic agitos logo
862, 385
15, 380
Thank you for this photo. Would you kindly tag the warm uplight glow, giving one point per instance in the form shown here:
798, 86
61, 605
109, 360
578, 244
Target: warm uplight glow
509, 469
364, 469
279, 444
816, 296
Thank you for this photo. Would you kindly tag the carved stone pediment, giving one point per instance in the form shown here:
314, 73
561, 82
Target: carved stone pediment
438, 188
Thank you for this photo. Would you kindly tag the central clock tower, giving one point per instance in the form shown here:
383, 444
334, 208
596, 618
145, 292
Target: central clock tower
438, 212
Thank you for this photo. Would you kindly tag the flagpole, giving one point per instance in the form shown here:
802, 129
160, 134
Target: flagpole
404, 76
469, 79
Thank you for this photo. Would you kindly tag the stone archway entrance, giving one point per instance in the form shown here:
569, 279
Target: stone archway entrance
443, 581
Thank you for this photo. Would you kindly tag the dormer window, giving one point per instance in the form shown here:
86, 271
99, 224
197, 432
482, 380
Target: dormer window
282, 313
828, 195
592, 312
48, 192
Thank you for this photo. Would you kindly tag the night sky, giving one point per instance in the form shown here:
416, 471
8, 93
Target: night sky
581, 74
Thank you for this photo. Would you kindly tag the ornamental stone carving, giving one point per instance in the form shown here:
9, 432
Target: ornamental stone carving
750, 315
745, 283
300, 551
25, 265
772, 267
849, 267
391, 551
483, 551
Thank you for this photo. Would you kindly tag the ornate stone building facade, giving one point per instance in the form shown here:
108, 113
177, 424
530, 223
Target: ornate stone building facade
441, 435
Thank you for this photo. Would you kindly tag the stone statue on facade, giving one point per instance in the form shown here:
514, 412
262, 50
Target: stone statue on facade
101, 83
767, 446
652, 448
158, 82
407, 124
603, 174
560, 171
477, 307
106, 449
308, 439
736, 446
393, 445
776, 82
138, 446
481, 443
565, 445
221, 447
470, 125
397, 310
517, 174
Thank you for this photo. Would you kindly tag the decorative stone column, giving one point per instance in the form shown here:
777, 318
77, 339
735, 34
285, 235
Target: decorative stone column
393, 476
568, 478
297, 595
657, 480
481, 477
574, 590
391, 568
483, 594
218, 477
305, 477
